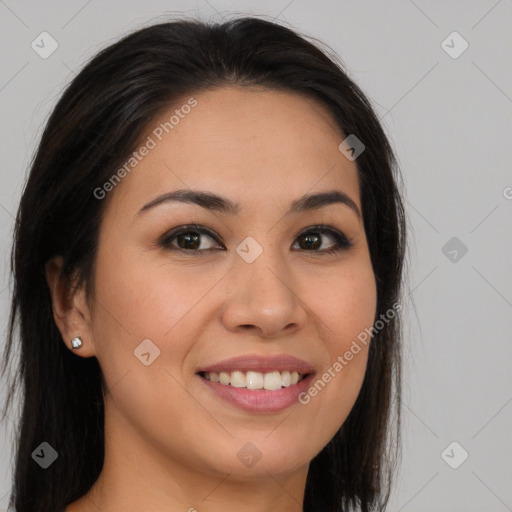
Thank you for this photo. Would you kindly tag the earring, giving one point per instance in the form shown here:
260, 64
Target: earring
76, 342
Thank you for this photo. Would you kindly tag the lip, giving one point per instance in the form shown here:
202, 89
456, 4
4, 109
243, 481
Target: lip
258, 363
260, 400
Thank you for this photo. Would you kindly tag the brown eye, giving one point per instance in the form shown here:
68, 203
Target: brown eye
189, 239
192, 239
311, 240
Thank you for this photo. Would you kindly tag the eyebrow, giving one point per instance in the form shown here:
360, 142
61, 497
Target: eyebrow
213, 202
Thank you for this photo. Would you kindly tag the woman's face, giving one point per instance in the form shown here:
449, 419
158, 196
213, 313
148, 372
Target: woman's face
245, 290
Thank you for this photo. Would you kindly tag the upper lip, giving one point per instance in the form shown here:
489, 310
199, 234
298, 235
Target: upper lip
259, 363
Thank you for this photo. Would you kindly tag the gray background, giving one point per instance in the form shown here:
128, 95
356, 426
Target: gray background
449, 121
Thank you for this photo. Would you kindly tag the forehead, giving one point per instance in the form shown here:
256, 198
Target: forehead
253, 145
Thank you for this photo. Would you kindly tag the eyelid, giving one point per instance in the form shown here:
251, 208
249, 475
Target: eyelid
344, 242
189, 227
322, 228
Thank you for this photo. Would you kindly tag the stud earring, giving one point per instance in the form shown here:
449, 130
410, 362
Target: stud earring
76, 342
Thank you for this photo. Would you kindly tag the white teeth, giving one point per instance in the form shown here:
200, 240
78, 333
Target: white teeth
255, 380
238, 380
272, 381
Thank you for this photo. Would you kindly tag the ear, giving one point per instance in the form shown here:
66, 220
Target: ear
71, 310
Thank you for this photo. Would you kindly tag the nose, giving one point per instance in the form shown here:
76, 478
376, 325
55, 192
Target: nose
263, 298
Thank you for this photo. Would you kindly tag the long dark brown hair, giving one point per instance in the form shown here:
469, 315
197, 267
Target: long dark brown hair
94, 127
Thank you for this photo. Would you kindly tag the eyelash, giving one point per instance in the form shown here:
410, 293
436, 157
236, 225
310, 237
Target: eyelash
342, 242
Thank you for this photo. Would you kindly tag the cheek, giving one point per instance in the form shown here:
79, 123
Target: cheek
344, 307
149, 300
353, 300
136, 302
345, 304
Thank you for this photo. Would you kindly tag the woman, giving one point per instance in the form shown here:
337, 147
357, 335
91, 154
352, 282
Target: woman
207, 271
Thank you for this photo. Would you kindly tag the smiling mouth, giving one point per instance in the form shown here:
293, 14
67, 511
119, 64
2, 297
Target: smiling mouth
270, 381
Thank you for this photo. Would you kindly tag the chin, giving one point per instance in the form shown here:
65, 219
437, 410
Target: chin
257, 456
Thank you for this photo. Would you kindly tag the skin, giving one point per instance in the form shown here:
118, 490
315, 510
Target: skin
170, 443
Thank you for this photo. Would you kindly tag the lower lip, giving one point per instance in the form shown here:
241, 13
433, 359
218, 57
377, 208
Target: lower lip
260, 400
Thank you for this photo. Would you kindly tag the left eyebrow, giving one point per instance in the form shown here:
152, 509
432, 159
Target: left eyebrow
220, 204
